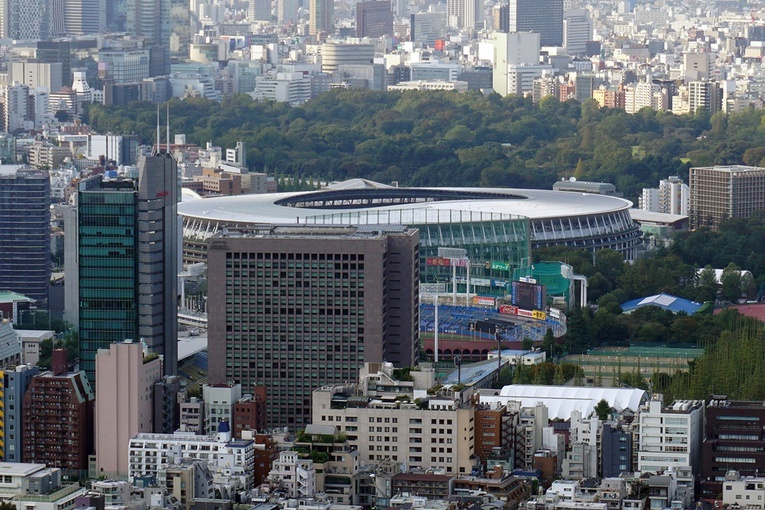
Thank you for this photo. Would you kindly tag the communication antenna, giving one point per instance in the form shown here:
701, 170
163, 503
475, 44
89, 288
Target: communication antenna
167, 130
157, 149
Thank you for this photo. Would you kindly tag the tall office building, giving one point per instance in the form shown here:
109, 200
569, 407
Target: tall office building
259, 10
293, 308
733, 442
704, 95
677, 443
15, 383
27, 19
124, 406
321, 17
84, 17
513, 51
58, 417
544, 18
125, 262
150, 19
722, 192
25, 231
374, 19
287, 12
501, 18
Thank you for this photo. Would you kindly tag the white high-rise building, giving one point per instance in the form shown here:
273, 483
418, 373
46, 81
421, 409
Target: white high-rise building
464, 14
15, 100
513, 49
26, 19
674, 196
670, 437
577, 30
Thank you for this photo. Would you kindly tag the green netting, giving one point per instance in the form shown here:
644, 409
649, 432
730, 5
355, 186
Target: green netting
549, 274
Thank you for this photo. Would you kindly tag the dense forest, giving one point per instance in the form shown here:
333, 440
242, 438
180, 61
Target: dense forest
442, 138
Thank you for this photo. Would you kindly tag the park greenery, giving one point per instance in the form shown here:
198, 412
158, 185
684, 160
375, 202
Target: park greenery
440, 138
451, 139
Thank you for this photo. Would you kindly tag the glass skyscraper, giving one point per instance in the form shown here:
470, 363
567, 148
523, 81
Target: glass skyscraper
126, 264
25, 231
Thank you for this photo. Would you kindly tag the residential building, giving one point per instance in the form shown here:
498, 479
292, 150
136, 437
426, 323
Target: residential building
192, 416
187, 479
127, 229
250, 412
57, 425
36, 74
584, 442
743, 492
125, 381
428, 485
718, 193
166, 415
670, 437
295, 476
374, 19
219, 401
494, 431
25, 231
704, 95
615, 451
27, 485
543, 18
734, 441
15, 383
149, 453
350, 291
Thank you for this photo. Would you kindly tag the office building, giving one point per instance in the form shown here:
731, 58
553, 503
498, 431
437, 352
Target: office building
670, 437
321, 20
38, 74
58, 417
306, 306
259, 10
722, 192
374, 19
671, 197
427, 27
544, 18
27, 19
166, 404
126, 229
577, 30
15, 383
84, 16
287, 12
25, 231
514, 53
125, 381
335, 55
464, 14
733, 442
219, 400
501, 18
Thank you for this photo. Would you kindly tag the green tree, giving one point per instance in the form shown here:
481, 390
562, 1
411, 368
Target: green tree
603, 410
731, 282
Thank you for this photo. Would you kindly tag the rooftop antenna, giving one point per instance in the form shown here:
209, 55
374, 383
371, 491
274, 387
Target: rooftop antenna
167, 130
157, 149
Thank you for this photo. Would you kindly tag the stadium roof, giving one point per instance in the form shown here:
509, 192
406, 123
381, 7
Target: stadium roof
666, 301
292, 207
561, 401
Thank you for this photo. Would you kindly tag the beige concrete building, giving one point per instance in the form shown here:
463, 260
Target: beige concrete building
718, 193
124, 406
435, 432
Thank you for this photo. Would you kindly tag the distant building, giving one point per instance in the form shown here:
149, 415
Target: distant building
544, 18
599, 188
15, 383
374, 19
25, 231
321, 17
718, 193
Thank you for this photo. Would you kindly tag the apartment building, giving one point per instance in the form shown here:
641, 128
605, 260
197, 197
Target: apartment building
718, 193
670, 437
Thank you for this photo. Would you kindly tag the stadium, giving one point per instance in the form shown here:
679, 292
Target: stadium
476, 237
498, 227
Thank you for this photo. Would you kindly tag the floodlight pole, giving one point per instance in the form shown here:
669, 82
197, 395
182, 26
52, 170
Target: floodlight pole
435, 349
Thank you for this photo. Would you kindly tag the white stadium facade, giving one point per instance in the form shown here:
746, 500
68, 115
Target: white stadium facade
497, 227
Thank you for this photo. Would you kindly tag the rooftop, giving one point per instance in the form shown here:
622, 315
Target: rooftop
666, 301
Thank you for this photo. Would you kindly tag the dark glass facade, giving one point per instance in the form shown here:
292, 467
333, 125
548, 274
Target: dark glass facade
107, 225
25, 232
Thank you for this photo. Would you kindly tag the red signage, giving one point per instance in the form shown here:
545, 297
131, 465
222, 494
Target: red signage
508, 309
